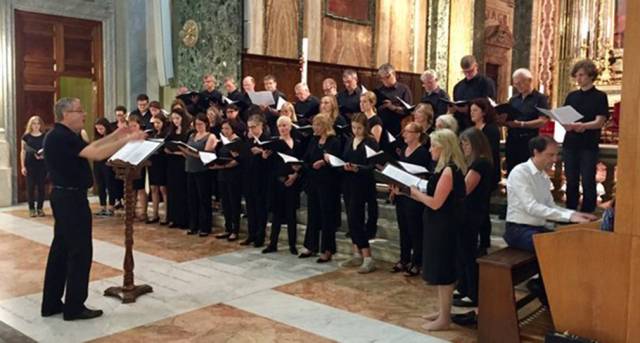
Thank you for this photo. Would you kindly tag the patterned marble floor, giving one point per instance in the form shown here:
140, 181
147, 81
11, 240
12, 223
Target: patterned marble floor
207, 290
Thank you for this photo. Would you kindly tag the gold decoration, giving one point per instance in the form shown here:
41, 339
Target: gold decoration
189, 33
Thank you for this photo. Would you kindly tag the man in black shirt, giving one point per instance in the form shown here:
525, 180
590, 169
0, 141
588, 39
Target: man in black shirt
248, 86
142, 103
209, 96
329, 87
527, 120
70, 255
433, 93
307, 105
472, 86
349, 98
235, 95
581, 143
271, 112
390, 109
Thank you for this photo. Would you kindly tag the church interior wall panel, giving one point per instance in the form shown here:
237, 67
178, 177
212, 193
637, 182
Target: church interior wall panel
312, 28
282, 28
219, 42
460, 39
346, 43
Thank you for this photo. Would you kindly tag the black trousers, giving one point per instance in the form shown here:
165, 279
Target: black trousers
36, 176
372, 211
256, 199
580, 166
467, 254
199, 195
409, 214
284, 211
70, 255
356, 212
485, 232
323, 218
105, 181
231, 193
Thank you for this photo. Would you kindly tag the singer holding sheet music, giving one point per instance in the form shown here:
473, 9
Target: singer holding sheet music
255, 183
285, 191
32, 161
177, 212
442, 221
323, 194
229, 183
158, 169
198, 177
409, 211
527, 120
359, 185
581, 143
66, 156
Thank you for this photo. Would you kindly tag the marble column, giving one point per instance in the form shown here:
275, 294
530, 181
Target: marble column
7, 104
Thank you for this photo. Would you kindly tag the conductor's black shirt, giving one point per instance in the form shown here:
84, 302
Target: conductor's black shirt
62, 157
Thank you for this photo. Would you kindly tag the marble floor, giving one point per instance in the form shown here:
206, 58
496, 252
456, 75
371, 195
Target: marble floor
208, 290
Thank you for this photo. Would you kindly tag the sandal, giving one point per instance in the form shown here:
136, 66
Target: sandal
412, 271
399, 267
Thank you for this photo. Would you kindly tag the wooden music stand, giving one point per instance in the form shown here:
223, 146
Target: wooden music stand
129, 292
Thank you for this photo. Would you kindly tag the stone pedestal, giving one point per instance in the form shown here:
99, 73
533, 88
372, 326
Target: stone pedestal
6, 184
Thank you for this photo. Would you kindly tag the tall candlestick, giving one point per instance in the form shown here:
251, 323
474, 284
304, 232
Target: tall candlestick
510, 91
305, 58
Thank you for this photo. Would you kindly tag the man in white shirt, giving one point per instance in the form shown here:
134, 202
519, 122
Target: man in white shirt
530, 203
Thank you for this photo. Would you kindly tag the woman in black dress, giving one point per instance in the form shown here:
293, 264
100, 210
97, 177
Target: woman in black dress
103, 174
323, 192
177, 209
483, 117
442, 221
158, 169
198, 177
32, 161
478, 181
285, 195
408, 211
376, 129
136, 124
359, 183
229, 184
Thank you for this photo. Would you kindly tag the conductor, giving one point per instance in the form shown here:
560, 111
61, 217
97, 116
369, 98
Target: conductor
70, 255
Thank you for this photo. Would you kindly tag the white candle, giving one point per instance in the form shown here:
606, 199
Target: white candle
305, 58
510, 91
541, 88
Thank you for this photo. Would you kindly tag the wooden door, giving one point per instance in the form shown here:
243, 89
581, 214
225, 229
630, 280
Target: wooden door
47, 49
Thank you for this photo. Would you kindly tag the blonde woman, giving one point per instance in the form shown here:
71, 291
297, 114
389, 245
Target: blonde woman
444, 212
32, 163
289, 111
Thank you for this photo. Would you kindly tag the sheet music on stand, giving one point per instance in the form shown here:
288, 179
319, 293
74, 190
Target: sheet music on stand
264, 98
136, 152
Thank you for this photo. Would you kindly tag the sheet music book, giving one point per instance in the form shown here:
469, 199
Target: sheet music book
406, 104
174, 146
492, 102
334, 161
289, 159
390, 137
136, 152
280, 103
228, 101
393, 175
455, 103
413, 168
563, 115
273, 144
303, 127
507, 109
28, 148
264, 98
364, 89
207, 157
378, 157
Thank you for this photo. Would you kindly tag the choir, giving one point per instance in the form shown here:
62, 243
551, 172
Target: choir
325, 148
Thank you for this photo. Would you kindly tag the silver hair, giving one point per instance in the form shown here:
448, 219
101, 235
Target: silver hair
448, 121
303, 86
63, 105
386, 69
524, 72
350, 72
429, 72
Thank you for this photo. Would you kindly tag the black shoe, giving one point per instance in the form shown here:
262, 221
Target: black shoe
192, 232
164, 223
306, 254
247, 241
258, 244
269, 249
84, 314
223, 235
232, 237
458, 295
323, 260
465, 319
53, 311
203, 234
399, 267
293, 250
173, 225
412, 271
464, 303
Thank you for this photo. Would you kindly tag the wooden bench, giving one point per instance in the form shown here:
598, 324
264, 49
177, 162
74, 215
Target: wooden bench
498, 309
